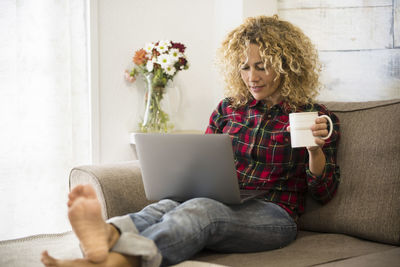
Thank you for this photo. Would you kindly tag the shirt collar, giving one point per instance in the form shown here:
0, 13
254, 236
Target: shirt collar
283, 106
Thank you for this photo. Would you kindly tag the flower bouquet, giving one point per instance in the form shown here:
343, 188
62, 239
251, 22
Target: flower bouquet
158, 63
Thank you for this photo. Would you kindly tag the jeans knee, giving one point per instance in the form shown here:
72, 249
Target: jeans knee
168, 202
205, 207
197, 211
204, 202
164, 205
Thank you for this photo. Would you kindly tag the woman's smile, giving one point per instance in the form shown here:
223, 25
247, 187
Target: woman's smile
256, 88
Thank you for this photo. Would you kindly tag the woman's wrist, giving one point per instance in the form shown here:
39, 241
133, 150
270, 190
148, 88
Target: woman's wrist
313, 148
316, 160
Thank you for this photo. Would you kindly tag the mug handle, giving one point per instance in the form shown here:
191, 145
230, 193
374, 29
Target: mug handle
330, 126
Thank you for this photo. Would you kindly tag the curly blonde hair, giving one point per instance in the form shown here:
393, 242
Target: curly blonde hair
284, 47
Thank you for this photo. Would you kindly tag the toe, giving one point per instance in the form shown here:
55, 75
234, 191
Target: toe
47, 259
89, 192
75, 193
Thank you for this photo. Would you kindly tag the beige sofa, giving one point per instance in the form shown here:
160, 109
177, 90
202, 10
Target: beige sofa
359, 227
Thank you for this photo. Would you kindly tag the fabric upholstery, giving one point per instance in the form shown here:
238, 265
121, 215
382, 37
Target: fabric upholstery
367, 203
389, 257
309, 249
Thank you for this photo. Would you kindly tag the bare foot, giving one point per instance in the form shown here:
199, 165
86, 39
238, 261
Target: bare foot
49, 261
114, 260
81, 191
93, 232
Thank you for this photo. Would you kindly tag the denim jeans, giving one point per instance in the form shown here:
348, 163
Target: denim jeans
180, 230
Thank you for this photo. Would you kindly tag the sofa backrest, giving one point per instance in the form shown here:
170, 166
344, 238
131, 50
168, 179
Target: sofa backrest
367, 204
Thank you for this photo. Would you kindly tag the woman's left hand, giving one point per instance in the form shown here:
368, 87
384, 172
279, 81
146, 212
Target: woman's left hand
319, 129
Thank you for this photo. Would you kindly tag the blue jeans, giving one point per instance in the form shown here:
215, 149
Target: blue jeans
180, 230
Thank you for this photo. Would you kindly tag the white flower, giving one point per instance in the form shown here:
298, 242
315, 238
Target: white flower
170, 70
149, 47
175, 54
163, 46
150, 65
164, 60
166, 43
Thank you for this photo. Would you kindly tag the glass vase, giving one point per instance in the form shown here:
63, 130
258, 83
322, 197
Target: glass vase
155, 118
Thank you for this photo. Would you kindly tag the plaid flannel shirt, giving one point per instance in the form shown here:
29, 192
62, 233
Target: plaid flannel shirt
265, 159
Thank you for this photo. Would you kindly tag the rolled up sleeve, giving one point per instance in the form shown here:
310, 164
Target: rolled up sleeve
323, 188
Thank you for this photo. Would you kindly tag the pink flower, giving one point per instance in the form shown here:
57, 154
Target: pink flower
129, 77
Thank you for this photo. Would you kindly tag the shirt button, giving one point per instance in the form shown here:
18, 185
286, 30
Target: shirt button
269, 116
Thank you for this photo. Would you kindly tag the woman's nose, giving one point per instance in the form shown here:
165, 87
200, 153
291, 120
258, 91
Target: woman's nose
253, 75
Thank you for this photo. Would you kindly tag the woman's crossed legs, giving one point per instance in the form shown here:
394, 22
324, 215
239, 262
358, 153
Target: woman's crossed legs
179, 230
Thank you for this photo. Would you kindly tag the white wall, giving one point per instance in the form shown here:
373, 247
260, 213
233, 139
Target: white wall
124, 26
359, 45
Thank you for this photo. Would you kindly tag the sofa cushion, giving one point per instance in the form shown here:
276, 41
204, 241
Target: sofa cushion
386, 258
309, 249
367, 203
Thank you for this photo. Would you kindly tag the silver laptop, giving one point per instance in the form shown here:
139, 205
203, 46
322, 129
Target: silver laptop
185, 166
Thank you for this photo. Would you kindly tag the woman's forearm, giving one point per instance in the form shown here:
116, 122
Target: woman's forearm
317, 161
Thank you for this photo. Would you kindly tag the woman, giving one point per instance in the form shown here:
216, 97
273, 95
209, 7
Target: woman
270, 69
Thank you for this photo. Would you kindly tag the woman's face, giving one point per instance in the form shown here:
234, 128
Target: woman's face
260, 82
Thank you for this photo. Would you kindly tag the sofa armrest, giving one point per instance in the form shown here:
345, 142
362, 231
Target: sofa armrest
119, 186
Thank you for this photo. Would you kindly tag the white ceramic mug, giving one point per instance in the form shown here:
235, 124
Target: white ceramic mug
300, 128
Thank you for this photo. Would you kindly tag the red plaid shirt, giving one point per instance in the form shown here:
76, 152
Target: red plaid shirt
265, 159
